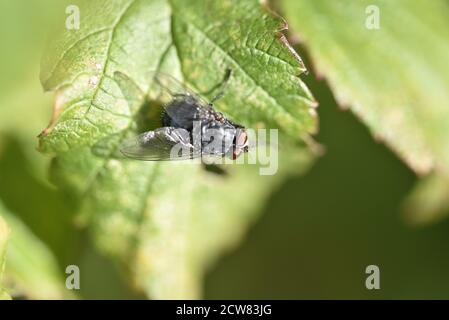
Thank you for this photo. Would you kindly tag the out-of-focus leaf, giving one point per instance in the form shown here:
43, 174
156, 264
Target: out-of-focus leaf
23, 29
429, 201
21, 104
168, 221
395, 78
4, 234
45, 211
31, 266
4, 295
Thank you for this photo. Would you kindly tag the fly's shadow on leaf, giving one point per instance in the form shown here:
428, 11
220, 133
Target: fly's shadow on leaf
145, 113
216, 169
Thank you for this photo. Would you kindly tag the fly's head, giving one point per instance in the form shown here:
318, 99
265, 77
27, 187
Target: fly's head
240, 143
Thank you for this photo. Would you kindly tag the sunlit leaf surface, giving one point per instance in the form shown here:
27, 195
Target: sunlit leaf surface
168, 221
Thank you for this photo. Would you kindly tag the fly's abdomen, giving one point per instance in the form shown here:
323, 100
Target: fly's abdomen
217, 140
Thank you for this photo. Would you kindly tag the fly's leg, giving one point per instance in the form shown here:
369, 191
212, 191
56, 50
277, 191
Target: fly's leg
221, 87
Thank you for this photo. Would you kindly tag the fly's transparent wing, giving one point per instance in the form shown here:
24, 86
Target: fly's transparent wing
165, 143
164, 84
180, 102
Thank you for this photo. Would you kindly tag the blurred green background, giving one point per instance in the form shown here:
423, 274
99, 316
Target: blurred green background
314, 239
320, 231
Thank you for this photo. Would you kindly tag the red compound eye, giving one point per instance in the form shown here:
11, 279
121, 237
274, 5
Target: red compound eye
242, 139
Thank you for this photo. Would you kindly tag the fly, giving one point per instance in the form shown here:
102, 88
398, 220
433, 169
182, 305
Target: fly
189, 124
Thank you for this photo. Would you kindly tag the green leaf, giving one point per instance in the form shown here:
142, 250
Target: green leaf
394, 78
196, 41
429, 200
4, 235
31, 266
168, 221
24, 27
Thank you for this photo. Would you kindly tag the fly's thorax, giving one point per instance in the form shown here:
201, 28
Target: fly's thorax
218, 116
217, 138
180, 113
